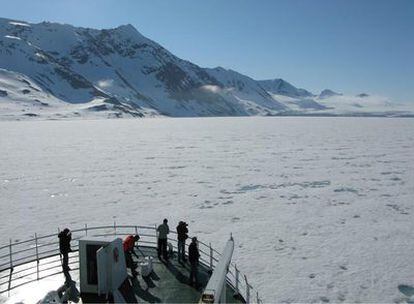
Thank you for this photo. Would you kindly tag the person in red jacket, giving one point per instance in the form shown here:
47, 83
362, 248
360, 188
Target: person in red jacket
128, 245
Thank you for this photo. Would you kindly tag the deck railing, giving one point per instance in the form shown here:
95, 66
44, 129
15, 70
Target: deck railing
27, 261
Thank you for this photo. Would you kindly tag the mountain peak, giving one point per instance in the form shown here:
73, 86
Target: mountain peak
219, 69
127, 31
328, 93
126, 28
282, 87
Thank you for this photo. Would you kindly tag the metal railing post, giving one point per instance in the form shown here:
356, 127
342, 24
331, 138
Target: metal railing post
156, 239
114, 228
86, 229
211, 257
11, 266
37, 258
136, 230
11, 254
60, 255
247, 290
237, 279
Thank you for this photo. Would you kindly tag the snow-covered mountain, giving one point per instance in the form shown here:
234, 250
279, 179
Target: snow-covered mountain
328, 93
53, 70
294, 99
21, 97
282, 87
244, 91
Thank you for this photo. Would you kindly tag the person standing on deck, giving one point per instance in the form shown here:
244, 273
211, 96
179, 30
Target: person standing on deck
193, 256
163, 231
65, 237
128, 245
182, 235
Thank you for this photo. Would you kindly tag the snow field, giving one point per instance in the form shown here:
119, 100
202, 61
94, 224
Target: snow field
321, 209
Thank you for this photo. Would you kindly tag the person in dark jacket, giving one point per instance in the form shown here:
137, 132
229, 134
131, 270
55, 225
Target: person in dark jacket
163, 231
182, 235
65, 237
193, 256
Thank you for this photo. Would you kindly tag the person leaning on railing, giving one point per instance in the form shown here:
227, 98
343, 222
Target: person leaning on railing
128, 246
65, 237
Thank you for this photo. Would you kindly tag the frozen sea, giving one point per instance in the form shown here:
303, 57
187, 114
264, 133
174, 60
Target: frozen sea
321, 209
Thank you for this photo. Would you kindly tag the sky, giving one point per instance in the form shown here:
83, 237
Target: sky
349, 46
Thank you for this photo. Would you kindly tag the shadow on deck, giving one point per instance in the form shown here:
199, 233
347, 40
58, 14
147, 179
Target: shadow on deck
168, 282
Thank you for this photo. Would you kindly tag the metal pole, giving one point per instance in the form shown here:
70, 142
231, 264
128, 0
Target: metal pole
11, 267
11, 254
114, 228
156, 239
136, 233
60, 255
237, 279
211, 257
86, 229
257, 297
247, 290
37, 258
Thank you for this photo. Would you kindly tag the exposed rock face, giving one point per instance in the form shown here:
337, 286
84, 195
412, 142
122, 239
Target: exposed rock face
282, 87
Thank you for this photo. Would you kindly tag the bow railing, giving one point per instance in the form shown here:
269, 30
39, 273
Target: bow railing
27, 261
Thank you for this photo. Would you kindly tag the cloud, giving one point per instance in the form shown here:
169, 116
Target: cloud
105, 83
211, 88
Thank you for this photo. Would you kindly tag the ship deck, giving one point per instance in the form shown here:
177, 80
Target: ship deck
168, 283
31, 270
